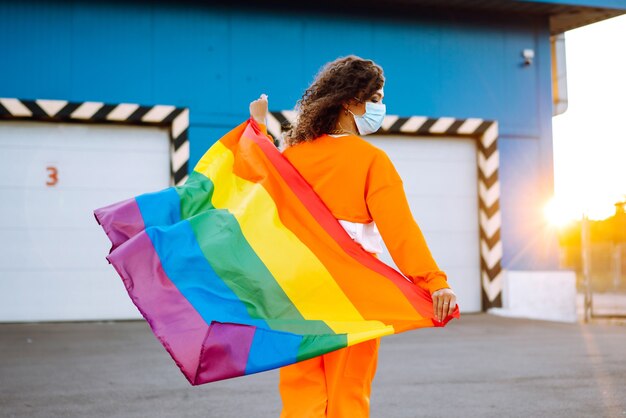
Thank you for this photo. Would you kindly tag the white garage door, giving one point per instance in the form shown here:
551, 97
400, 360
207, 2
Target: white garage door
52, 176
440, 179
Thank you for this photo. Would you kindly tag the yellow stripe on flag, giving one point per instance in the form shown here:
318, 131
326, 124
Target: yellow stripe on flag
300, 274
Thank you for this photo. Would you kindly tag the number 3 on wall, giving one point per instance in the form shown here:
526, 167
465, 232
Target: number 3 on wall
53, 176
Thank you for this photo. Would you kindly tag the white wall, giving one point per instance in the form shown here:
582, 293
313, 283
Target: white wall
547, 295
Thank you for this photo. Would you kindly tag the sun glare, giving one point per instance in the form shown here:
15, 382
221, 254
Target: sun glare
558, 214
589, 138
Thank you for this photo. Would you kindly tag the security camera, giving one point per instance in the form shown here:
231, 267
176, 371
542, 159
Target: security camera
528, 55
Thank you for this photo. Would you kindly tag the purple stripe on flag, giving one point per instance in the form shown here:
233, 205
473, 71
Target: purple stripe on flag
172, 318
120, 221
225, 352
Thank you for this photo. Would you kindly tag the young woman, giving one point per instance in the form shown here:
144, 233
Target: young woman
363, 190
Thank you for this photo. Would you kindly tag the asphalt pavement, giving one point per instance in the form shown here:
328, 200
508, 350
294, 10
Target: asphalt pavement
478, 366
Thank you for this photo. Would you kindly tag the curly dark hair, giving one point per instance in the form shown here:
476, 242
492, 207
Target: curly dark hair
337, 82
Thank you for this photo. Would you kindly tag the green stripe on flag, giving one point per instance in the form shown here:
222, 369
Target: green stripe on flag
315, 345
230, 255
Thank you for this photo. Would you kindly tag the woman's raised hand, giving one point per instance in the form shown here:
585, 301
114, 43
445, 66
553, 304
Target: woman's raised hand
258, 108
444, 301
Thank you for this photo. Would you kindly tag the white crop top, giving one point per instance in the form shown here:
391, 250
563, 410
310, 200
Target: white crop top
366, 235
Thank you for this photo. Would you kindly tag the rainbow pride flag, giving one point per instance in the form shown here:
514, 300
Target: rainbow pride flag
244, 269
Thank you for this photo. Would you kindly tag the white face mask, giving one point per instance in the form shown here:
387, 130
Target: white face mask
370, 121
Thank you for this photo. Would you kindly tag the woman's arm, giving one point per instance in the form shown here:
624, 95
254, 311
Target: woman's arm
388, 206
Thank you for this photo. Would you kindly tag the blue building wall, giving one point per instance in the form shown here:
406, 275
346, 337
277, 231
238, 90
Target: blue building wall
215, 60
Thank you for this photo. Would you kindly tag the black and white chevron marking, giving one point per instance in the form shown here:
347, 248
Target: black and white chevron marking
485, 132
177, 118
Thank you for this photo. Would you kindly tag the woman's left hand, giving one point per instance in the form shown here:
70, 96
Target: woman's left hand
444, 302
258, 108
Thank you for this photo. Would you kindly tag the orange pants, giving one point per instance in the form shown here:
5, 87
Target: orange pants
333, 385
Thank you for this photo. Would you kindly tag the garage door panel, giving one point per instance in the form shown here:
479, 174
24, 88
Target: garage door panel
61, 136
54, 248
48, 208
434, 178
53, 253
65, 295
79, 169
402, 149
444, 213
450, 248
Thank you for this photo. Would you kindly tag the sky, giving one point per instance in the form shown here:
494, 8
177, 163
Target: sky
590, 137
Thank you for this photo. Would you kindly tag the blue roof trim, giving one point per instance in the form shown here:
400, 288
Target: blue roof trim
607, 4
563, 15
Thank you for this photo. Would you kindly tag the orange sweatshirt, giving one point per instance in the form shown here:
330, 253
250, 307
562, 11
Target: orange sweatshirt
359, 183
